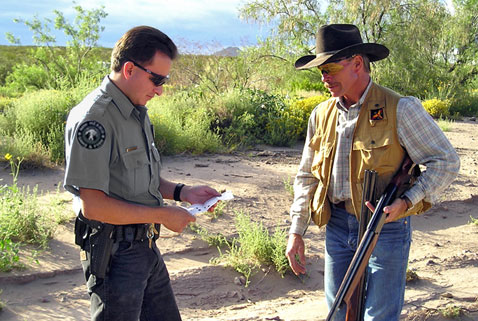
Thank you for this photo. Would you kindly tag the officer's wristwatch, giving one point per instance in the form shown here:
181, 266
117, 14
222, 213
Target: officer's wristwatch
407, 201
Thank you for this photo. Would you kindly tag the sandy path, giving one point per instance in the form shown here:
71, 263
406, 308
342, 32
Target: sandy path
444, 249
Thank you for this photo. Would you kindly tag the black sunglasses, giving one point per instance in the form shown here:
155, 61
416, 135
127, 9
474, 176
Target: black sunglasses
158, 80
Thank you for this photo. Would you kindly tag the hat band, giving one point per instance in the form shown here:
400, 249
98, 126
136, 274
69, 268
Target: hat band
326, 53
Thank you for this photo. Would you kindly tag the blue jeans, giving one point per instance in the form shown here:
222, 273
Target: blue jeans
386, 272
137, 286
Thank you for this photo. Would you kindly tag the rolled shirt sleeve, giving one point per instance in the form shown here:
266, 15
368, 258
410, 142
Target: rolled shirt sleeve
426, 145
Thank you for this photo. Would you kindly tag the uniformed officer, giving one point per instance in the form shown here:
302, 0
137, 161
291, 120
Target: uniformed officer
113, 170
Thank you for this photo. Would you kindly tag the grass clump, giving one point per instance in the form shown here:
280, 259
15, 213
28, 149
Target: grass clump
445, 124
255, 247
473, 221
26, 218
451, 311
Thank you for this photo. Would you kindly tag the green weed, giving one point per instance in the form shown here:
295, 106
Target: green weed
451, 311
473, 220
216, 240
27, 216
255, 247
445, 124
289, 185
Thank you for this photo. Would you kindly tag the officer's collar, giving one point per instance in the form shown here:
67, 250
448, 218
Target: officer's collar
123, 103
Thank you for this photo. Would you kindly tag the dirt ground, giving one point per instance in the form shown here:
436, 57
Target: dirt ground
444, 253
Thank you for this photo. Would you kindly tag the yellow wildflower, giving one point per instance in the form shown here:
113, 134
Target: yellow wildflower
8, 156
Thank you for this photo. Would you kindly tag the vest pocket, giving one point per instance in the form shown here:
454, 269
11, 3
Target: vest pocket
375, 152
322, 160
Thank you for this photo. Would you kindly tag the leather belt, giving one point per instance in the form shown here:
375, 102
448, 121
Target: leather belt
340, 205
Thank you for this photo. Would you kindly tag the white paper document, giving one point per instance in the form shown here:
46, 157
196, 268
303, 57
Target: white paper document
199, 208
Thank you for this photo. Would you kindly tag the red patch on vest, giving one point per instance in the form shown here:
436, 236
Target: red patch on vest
376, 114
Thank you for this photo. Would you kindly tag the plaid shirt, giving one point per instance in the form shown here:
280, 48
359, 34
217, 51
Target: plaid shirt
418, 134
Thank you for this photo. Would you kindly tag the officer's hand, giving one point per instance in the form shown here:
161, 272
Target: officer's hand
394, 210
295, 245
177, 218
198, 194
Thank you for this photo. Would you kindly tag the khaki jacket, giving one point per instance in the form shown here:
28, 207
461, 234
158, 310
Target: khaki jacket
375, 146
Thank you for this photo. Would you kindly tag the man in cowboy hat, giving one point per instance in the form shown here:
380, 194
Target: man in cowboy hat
363, 126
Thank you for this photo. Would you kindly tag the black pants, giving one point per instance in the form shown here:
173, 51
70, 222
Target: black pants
137, 286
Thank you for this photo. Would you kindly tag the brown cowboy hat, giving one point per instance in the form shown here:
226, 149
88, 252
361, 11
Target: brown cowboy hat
338, 41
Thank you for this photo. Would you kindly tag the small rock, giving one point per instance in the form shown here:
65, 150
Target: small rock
447, 295
239, 280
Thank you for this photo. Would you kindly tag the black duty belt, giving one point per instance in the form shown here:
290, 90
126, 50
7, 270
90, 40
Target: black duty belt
133, 232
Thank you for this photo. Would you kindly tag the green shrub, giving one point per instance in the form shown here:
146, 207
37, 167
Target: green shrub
309, 80
24, 77
302, 109
23, 220
465, 105
9, 258
437, 108
5, 103
243, 118
283, 128
42, 114
182, 125
25, 146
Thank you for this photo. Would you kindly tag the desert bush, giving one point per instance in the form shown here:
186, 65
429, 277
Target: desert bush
5, 103
182, 124
22, 219
302, 109
9, 257
465, 105
28, 77
309, 80
241, 117
25, 146
283, 128
42, 115
437, 108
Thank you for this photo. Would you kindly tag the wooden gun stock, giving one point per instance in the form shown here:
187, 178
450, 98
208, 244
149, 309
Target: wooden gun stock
359, 263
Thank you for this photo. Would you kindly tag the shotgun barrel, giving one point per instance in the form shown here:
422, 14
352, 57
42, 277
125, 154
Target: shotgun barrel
365, 248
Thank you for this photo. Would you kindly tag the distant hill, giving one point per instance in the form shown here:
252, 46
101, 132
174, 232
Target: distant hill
228, 52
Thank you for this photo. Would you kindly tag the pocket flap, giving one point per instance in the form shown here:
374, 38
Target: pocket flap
135, 159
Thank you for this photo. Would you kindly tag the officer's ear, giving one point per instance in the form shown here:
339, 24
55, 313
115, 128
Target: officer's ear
127, 69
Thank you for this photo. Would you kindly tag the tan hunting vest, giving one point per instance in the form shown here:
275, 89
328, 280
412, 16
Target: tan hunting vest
375, 146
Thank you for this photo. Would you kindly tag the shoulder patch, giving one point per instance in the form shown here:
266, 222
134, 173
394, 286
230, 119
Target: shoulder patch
91, 134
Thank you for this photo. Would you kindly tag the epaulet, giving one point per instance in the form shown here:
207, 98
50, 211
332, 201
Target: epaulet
100, 103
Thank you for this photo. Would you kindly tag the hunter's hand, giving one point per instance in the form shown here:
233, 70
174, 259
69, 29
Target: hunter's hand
394, 210
295, 246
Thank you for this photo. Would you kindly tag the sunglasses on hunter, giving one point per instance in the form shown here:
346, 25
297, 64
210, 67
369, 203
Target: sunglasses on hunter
158, 80
333, 67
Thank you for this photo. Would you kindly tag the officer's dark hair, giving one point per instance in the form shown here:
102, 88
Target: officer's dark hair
141, 44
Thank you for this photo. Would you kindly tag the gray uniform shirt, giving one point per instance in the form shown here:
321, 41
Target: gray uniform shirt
109, 147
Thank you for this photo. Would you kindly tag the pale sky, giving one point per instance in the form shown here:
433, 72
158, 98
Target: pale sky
210, 23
